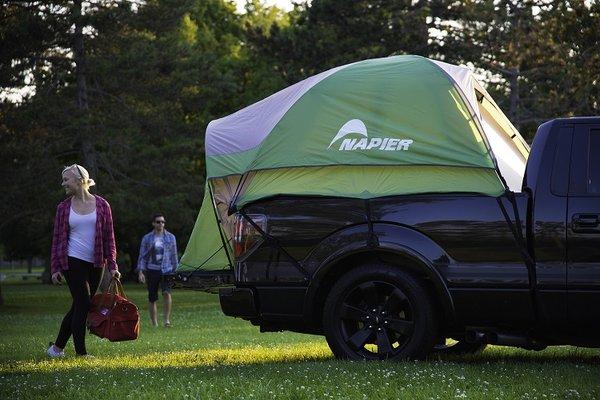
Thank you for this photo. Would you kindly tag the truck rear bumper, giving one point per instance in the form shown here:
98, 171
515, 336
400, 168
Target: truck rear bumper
238, 302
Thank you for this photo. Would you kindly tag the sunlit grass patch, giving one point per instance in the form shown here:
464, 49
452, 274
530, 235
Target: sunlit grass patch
178, 359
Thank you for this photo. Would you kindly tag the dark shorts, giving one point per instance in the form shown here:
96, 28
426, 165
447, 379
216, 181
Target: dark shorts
154, 279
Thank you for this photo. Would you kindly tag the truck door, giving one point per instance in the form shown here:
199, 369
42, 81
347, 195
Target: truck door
583, 227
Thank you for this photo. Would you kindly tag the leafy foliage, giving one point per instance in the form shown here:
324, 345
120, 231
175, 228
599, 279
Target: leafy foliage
542, 56
126, 88
154, 77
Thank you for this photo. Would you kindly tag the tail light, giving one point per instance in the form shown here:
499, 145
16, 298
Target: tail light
245, 235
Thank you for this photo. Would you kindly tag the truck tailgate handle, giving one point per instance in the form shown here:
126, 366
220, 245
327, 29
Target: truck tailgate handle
585, 223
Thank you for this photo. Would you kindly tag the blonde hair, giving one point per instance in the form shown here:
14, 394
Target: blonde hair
80, 173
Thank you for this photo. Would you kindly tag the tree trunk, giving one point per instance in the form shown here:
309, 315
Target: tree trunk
513, 107
47, 275
79, 53
87, 146
514, 49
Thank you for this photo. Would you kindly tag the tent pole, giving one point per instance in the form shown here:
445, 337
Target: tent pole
232, 208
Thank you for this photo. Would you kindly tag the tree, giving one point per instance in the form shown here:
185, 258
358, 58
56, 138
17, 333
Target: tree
34, 54
128, 96
329, 33
572, 88
535, 50
127, 88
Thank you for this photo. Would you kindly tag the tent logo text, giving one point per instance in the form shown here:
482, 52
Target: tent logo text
364, 143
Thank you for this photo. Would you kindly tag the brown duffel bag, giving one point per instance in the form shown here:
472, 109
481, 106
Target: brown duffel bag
113, 316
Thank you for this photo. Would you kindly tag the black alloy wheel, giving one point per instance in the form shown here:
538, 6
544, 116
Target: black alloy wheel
379, 312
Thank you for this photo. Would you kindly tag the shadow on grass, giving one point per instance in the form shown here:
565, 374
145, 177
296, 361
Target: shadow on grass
498, 354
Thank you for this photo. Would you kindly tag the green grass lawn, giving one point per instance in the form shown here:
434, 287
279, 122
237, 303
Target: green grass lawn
17, 274
206, 355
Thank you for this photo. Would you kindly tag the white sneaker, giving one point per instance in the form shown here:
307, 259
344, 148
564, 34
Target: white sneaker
53, 352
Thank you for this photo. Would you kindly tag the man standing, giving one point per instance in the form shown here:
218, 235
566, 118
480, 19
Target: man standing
158, 259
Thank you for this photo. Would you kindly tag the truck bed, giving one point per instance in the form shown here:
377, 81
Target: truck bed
466, 237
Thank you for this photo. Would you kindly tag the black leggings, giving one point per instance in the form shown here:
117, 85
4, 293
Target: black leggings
83, 280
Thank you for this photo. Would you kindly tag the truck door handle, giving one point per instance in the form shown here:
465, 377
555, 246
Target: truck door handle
585, 223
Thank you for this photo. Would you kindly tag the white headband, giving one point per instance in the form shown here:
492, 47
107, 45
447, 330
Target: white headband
81, 173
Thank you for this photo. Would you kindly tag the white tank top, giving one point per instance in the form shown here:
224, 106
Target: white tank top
82, 233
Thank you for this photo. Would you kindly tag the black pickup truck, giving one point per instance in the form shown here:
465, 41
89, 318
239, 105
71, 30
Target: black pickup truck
397, 277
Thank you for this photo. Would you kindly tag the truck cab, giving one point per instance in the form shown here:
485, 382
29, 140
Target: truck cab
563, 175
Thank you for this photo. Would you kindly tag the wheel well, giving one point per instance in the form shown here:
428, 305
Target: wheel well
351, 261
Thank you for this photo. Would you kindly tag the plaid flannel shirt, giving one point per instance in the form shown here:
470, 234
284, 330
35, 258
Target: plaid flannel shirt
105, 250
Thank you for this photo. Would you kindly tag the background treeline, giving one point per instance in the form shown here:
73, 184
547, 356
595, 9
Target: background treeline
126, 88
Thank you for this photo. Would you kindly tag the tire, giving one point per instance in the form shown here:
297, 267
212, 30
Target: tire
378, 312
459, 348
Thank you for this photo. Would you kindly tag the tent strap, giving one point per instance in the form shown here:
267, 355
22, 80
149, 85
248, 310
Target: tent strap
516, 230
205, 261
372, 241
274, 243
520, 241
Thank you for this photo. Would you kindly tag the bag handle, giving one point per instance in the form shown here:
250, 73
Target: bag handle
118, 287
114, 287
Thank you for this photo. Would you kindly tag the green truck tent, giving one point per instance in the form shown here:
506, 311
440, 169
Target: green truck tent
387, 126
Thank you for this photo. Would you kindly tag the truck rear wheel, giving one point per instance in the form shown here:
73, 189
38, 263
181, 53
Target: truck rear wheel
378, 312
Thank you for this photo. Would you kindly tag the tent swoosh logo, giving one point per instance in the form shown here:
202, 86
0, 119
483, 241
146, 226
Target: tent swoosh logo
356, 126
352, 126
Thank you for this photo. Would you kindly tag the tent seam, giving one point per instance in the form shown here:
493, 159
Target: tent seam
475, 119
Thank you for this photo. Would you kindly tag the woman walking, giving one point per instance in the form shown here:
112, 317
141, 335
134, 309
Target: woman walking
82, 244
